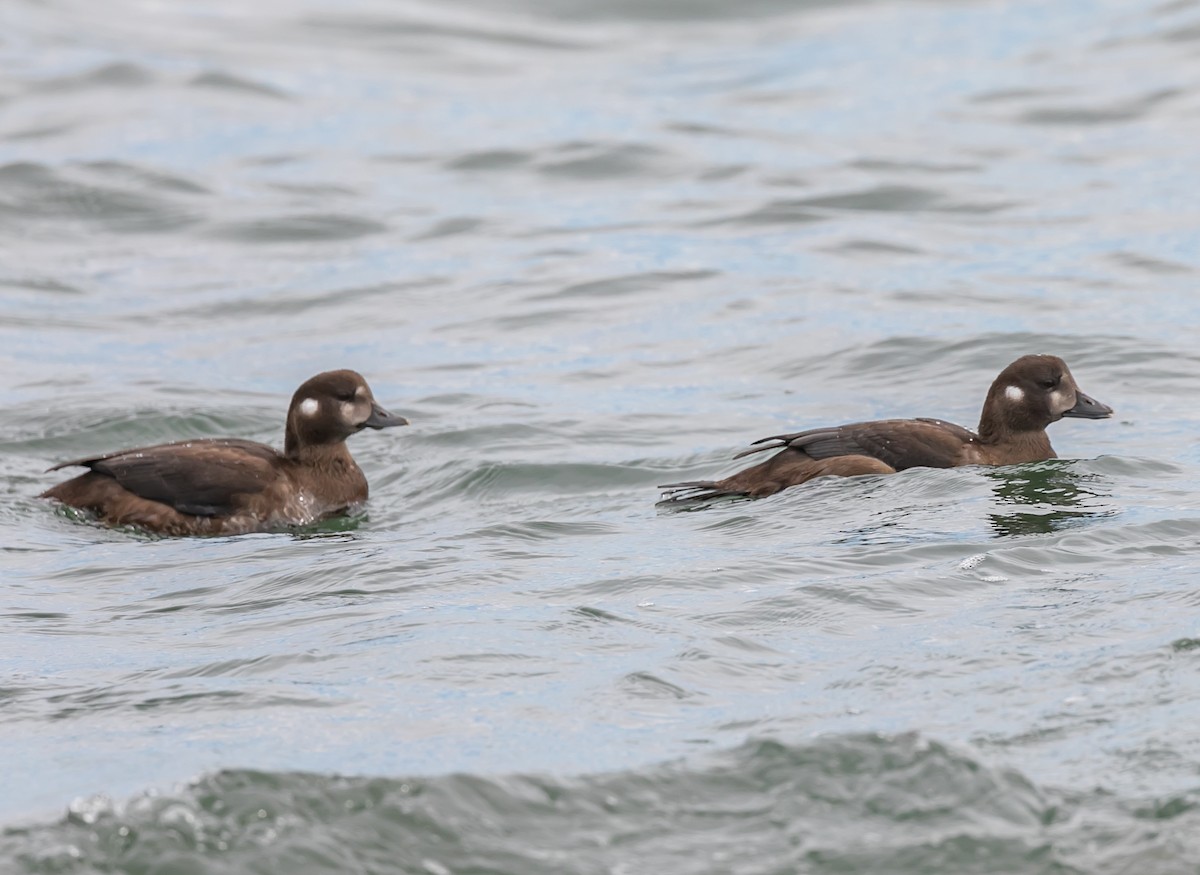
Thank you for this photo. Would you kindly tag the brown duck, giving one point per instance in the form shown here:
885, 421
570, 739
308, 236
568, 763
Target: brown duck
227, 486
1029, 394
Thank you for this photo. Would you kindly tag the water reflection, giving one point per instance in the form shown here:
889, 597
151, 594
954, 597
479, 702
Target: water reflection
1052, 496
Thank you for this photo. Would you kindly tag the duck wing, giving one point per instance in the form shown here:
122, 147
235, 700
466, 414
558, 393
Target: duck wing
900, 443
200, 477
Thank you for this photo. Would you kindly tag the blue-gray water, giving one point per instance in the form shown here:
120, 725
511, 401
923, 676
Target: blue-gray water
590, 246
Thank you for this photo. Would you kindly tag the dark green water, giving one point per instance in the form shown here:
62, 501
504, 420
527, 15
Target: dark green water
588, 248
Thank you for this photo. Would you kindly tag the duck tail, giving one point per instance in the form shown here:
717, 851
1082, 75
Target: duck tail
695, 492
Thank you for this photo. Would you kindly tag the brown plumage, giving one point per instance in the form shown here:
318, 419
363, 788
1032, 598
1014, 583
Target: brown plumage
226, 486
1029, 394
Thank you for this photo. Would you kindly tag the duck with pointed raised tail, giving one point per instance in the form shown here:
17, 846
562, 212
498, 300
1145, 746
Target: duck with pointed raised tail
227, 486
1029, 394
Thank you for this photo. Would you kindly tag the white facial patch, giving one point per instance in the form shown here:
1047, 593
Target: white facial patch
1059, 401
347, 410
1015, 394
309, 407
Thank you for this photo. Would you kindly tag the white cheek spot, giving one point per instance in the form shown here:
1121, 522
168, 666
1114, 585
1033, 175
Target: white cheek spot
347, 410
1059, 402
1015, 394
309, 407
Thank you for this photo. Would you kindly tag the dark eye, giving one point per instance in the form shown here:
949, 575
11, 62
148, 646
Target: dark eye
1048, 384
344, 396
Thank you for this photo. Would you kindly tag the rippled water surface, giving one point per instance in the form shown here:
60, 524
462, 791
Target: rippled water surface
588, 248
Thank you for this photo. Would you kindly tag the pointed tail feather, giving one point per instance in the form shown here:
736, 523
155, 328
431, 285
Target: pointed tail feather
762, 445
695, 492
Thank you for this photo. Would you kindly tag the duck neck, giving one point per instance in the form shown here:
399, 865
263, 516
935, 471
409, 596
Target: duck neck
1022, 445
291, 440
325, 455
992, 429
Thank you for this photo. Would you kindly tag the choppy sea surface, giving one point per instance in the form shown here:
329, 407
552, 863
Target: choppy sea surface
588, 247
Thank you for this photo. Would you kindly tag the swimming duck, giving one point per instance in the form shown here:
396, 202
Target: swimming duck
1029, 394
227, 486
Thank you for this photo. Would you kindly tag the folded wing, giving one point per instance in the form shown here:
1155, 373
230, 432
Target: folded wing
200, 477
900, 443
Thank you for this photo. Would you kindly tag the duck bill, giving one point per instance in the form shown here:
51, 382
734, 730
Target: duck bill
1087, 407
380, 418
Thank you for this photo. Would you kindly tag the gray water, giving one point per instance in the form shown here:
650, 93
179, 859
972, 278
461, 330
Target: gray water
587, 248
